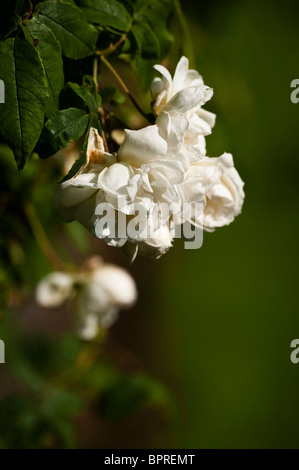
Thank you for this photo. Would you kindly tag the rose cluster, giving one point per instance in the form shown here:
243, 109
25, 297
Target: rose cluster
164, 164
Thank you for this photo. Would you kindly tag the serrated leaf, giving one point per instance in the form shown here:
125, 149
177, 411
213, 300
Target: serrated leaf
147, 41
76, 36
90, 100
107, 13
22, 115
50, 54
63, 127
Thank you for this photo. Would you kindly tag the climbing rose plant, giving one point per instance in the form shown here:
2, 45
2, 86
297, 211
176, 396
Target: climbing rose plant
93, 122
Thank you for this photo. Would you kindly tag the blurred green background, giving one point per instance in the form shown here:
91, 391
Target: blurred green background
222, 318
213, 326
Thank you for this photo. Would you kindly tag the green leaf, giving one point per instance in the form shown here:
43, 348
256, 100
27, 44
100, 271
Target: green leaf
144, 70
58, 403
156, 13
146, 41
22, 115
112, 95
107, 13
187, 43
50, 55
63, 127
89, 99
77, 37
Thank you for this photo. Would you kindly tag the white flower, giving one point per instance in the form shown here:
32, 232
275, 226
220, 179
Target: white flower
185, 91
54, 289
106, 290
225, 199
216, 183
96, 294
136, 184
159, 242
185, 95
121, 199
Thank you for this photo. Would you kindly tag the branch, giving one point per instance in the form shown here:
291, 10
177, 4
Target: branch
123, 85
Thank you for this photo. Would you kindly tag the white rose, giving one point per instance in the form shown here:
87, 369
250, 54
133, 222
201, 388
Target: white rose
182, 93
54, 289
185, 95
96, 294
216, 183
108, 289
225, 199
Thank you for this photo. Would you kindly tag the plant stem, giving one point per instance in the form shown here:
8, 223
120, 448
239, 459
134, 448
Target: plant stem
42, 239
112, 47
95, 72
123, 85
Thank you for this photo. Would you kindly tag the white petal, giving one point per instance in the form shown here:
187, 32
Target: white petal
172, 127
117, 283
185, 100
172, 170
180, 73
156, 87
158, 244
88, 326
54, 289
114, 179
141, 146
225, 199
164, 72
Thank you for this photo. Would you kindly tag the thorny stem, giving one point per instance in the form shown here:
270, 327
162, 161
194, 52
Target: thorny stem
124, 86
42, 239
